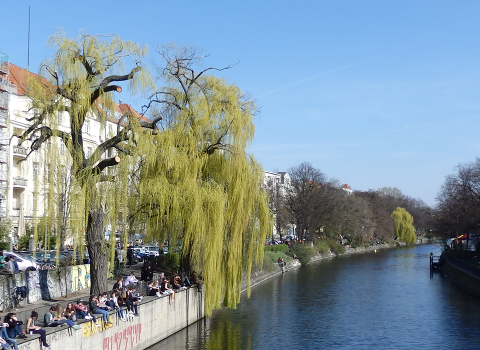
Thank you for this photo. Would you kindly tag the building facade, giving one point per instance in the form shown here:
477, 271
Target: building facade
22, 172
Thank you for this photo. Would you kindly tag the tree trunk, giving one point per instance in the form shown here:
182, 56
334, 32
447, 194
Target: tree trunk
97, 249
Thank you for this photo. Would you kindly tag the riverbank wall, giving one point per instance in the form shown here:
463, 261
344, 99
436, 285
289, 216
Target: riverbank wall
159, 318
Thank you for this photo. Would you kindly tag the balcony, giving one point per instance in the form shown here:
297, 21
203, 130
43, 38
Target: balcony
19, 151
19, 182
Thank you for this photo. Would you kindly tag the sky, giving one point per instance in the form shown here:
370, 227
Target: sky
372, 93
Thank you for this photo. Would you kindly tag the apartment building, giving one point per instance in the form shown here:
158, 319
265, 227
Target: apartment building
276, 184
19, 168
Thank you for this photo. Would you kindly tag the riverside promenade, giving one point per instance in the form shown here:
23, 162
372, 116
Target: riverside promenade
159, 318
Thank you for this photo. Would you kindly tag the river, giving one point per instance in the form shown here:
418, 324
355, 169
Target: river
382, 300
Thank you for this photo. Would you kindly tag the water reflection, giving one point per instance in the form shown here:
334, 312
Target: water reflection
383, 300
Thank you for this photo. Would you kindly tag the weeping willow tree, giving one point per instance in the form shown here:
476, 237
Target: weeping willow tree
197, 184
404, 225
183, 175
77, 85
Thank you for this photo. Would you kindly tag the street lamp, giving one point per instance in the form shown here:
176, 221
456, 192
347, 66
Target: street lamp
30, 244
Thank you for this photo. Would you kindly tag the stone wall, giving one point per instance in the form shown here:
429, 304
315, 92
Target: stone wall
48, 284
159, 318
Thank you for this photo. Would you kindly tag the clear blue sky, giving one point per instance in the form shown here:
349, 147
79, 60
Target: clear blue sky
373, 93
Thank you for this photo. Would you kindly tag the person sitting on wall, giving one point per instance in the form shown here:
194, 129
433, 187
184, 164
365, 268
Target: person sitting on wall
96, 308
14, 326
132, 302
186, 281
4, 335
70, 312
82, 312
119, 284
51, 320
154, 289
4, 344
166, 290
131, 279
34, 329
113, 303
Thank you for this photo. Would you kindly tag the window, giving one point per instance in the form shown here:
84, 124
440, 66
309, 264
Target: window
87, 126
35, 168
89, 152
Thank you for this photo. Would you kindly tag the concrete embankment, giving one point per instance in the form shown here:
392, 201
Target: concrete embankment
159, 318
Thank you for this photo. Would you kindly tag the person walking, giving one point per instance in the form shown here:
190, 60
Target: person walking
129, 256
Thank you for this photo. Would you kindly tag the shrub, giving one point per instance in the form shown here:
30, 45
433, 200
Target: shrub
304, 252
4, 245
337, 248
322, 247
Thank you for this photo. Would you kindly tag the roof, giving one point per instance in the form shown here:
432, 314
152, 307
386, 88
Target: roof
346, 186
18, 77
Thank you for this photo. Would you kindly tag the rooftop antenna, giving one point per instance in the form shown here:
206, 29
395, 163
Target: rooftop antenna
28, 49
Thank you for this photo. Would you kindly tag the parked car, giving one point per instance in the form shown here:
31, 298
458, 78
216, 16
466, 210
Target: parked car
151, 250
24, 262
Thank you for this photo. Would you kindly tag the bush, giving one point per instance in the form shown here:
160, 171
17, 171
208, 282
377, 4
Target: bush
322, 247
304, 252
337, 248
4, 245
23, 242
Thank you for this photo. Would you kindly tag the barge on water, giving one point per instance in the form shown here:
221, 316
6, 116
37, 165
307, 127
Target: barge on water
463, 268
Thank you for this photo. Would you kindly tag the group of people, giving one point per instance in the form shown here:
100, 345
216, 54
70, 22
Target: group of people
9, 263
56, 316
12, 329
124, 294
166, 287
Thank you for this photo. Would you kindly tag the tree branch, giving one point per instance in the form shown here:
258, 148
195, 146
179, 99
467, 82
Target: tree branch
104, 87
105, 164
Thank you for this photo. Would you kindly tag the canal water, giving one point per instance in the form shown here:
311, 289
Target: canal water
382, 300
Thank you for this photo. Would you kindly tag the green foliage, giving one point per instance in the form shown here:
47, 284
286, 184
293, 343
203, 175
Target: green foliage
304, 252
23, 242
273, 256
4, 245
276, 248
187, 179
42, 231
404, 226
5, 229
337, 248
322, 246
173, 261
198, 185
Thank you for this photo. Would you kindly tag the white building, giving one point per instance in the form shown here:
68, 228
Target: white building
17, 172
276, 184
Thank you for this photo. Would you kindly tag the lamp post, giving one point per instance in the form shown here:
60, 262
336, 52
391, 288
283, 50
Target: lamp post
10, 242
30, 244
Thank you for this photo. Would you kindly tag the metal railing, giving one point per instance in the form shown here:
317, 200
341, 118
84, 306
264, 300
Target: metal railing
20, 150
19, 181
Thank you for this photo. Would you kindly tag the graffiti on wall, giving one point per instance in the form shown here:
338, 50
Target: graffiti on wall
90, 328
80, 278
33, 285
124, 339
